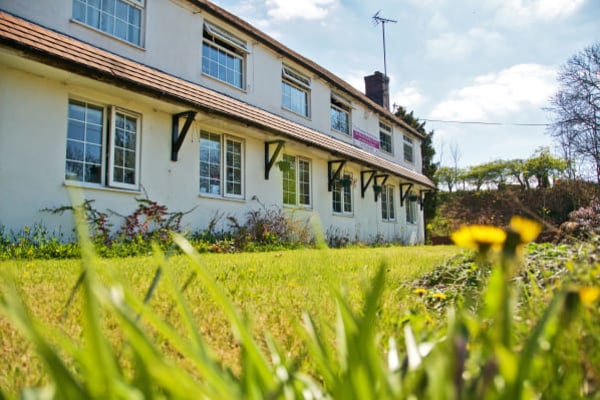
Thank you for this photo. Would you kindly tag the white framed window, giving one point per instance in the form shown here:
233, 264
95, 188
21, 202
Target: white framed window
103, 145
340, 114
411, 209
295, 92
388, 210
223, 56
297, 182
409, 155
221, 165
342, 196
385, 138
123, 19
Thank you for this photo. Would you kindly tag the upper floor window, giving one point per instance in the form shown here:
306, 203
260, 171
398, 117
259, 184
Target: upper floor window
409, 155
340, 115
295, 91
342, 195
221, 165
103, 145
223, 55
388, 211
120, 18
296, 181
385, 138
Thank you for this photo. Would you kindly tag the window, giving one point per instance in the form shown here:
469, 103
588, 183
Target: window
340, 115
221, 165
223, 56
385, 138
296, 181
295, 90
411, 209
388, 212
119, 18
342, 196
96, 156
408, 150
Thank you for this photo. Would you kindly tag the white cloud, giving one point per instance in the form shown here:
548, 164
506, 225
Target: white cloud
408, 97
498, 94
526, 10
455, 45
305, 9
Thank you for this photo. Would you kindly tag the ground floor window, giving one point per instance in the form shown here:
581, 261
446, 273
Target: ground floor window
411, 209
221, 165
342, 195
388, 211
296, 181
102, 145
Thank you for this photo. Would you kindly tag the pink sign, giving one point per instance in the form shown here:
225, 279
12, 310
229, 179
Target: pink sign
364, 137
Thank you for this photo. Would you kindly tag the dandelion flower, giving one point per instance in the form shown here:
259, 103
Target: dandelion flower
420, 291
479, 237
589, 294
439, 295
527, 229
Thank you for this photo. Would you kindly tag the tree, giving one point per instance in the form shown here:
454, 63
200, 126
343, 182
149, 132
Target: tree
446, 176
576, 108
542, 164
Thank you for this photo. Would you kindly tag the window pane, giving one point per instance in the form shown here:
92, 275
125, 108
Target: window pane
115, 17
222, 64
304, 182
210, 163
84, 142
289, 180
234, 168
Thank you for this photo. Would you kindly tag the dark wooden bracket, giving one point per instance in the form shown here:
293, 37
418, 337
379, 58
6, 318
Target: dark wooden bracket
404, 192
380, 184
177, 136
332, 175
364, 185
271, 158
422, 194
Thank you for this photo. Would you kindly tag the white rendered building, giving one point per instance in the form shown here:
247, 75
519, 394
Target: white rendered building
185, 103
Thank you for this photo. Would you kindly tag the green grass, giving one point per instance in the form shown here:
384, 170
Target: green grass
271, 289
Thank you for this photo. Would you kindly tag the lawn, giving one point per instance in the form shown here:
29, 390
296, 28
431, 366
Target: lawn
272, 290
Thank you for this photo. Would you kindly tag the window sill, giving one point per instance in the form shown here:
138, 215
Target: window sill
90, 186
297, 207
108, 35
306, 117
343, 215
222, 198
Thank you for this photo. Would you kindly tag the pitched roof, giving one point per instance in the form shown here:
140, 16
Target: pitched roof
56, 49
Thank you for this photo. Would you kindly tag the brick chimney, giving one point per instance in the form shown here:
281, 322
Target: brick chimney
377, 88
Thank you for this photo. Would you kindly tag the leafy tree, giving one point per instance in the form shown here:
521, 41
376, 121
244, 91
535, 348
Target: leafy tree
576, 108
542, 165
446, 176
516, 169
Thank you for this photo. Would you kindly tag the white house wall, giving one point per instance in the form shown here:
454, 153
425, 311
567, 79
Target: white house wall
33, 126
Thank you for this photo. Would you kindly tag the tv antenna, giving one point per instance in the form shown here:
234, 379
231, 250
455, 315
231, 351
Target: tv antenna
377, 19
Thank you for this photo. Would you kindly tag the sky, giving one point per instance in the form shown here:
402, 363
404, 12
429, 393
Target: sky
491, 61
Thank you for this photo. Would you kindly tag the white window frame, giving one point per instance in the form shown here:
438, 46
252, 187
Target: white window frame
388, 204
343, 190
342, 106
137, 4
107, 143
230, 45
299, 82
111, 137
408, 143
223, 179
386, 130
295, 161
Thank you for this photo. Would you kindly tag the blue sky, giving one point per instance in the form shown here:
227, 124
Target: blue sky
451, 60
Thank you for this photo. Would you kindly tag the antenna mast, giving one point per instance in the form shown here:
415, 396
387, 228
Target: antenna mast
380, 20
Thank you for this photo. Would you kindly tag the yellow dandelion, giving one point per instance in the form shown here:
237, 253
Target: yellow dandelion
527, 229
439, 295
479, 237
420, 291
589, 294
